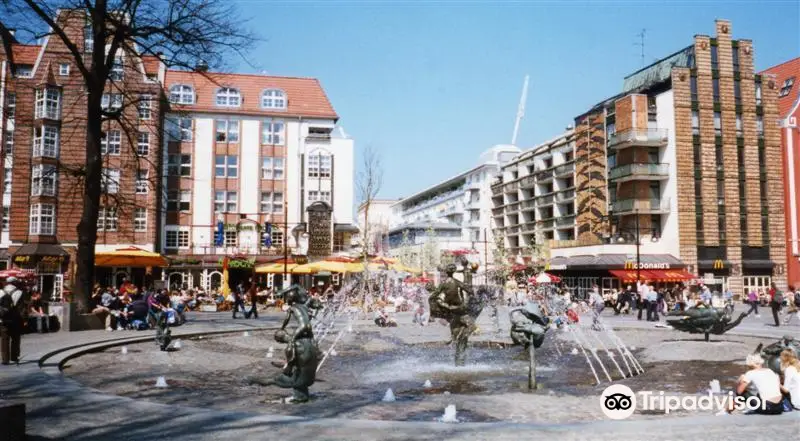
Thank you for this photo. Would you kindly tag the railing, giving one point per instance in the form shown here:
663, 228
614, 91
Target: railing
511, 187
513, 207
545, 199
639, 169
528, 204
528, 227
639, 136
527, 182
319, 138
544, 175
587, 241
565, 169
513, 230
568, 219
641, 205
497, 211
497, 189
546, 223
565, 195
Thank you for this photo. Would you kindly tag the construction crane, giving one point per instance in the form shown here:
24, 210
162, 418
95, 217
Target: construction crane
520, 111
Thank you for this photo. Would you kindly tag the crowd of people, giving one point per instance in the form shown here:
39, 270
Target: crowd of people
775, 393
129, 307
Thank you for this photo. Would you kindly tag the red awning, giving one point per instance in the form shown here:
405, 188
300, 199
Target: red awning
629, 276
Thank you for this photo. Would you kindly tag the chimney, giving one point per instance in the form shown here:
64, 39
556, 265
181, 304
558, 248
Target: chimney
202, 66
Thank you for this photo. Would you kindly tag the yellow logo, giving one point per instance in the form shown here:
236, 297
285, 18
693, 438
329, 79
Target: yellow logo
630, 265
719, 264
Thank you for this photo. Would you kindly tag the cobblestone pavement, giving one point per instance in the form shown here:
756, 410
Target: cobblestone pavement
59, 408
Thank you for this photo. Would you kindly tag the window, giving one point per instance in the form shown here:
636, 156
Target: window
9, 137
110, 142
271, 202
277, 238
48, 103
313, 166
88, 39
737, 91
324, 196
43, 180
140, 219
111, 101
7, 179
695, 122
735, 55
11, 107
179, 200
179, 165
738, 125
715, 85
228, 97
145, 107
271, 168
653, 155
272, 132
6, 220
45, 141
760, 126
181, 94
117, 72
786, 87
273, 99
319, 166
225, 202
63, 69
143, 144
231, 238
227, 131
226, 166
142, 182
43, 217
693, 87
107, 219
714, 57
717, 124
110, 183
758, 94
180, 129
176, 239
24, 71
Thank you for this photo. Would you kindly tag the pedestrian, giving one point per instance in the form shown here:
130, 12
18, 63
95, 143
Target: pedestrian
794, 305
652, 304
728, 297
776, 302
11, 318
253, 294
752, 300
238, 299
642, 290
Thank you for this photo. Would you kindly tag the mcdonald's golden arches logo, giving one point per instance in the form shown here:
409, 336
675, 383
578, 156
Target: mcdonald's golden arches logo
719, 264
630, 265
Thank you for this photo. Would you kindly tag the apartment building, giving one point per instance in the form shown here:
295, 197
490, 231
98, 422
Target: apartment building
684, 168
376, 224
254, 164
457, 211
43, 135
533, 196
785, 76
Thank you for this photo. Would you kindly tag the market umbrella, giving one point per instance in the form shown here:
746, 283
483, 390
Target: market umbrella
406, 269
19, 274
275, 268
330, 266
383, 260
130, 256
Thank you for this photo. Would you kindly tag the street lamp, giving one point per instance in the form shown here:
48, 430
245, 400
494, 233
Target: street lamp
636, 232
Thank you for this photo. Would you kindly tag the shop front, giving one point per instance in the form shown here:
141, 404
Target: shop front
48, 262
206, 271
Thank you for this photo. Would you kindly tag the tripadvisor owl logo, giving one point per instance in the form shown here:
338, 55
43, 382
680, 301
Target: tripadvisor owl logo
618, 402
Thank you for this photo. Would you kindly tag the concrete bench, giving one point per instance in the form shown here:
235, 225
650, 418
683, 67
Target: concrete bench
12, 421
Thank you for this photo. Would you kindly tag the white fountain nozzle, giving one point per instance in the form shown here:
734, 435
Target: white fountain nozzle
246, 334
177, 344
161, 382
333, 352
574, 351
124, 350
389, 396
427, 384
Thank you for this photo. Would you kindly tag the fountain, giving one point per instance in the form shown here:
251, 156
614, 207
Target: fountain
450, 414
389, 397
124, 350
427, 384
704, 320
177, 344
246, 334
714, 387
161, 382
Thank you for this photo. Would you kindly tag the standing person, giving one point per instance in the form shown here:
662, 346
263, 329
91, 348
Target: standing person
752, 299
643, 293
252, 293
11, 319
652, 304
793, 299
728, 298
776, 302
705, 295
597, 303
238, 299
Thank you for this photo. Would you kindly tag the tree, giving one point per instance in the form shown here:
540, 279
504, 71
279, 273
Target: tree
539, 250
405, 252
502, 266
179, 33
368, 184
430, 254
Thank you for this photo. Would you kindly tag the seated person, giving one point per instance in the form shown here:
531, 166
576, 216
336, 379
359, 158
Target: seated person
760, 382
420, 317
383, 320
38, 320
137, 313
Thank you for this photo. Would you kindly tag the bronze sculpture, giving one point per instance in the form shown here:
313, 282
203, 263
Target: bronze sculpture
455, 302
771, 353
703, 320
302, 354
528, 325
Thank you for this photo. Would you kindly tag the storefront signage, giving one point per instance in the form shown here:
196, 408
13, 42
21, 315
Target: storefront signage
22, 259
239, 263
719, 264
559, 267
34, 260
319, 223
646, 266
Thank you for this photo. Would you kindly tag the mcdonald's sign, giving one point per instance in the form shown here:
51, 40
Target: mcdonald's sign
631, 265
719, 264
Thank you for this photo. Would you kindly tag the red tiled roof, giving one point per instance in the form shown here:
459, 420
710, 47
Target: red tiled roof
783, 71
25, 54
150, 63
305, 96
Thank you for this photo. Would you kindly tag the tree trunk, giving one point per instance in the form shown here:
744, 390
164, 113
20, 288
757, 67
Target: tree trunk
365, 279
92, 189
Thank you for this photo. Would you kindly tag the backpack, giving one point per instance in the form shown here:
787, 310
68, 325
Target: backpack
797, 299
778, 298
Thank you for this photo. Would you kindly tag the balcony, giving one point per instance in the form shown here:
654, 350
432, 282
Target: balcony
638, 137
318, 138
497, 211
527, 205
545, 199
641, 206
497, 189
513, 230
527, 182
565, 169
512, 207
566, 195
451, 209
639, 171
546, 224
473, 205
567, 220
544, 176
471, 223
529, 227
511, 187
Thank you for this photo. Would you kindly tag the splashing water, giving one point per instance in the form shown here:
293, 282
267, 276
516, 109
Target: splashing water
246, 334
450, 414
124, 350
161, 382
714, 387
427, 384
574, 351
389, 397
177, 344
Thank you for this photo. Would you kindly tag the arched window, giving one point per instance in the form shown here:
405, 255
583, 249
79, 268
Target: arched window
228, 97
273, 99
181, 94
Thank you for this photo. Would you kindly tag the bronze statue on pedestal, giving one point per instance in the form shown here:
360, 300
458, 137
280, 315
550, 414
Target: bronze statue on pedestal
451, 301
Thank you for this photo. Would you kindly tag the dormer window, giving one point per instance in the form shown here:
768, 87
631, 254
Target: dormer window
273, 99
181, 94
228, 97
48, 103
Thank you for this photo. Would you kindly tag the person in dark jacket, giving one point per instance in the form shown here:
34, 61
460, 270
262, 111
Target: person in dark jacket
12, 307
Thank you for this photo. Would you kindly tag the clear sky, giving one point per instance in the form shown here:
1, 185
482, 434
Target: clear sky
431, 85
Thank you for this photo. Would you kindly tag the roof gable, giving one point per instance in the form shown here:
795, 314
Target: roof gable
783, 72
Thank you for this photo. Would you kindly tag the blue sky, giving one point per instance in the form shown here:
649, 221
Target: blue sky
430, 85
